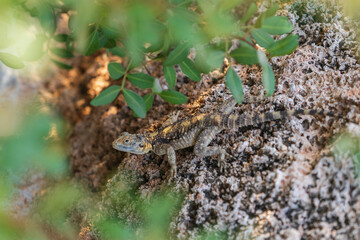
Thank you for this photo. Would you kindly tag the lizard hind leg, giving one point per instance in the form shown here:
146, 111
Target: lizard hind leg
202, 149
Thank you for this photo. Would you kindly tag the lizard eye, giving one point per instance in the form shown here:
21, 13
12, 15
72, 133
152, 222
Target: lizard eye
127, 141
140, 145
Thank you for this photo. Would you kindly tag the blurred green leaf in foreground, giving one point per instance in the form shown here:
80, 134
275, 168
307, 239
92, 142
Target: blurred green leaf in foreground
34, 144
349, 144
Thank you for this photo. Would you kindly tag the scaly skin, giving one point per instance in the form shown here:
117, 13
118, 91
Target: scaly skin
198, 131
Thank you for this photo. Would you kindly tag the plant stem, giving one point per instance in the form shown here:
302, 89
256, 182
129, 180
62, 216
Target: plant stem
147, 70
125, 75
245, 40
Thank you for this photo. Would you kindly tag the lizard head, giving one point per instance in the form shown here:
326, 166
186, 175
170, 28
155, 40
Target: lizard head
133, 143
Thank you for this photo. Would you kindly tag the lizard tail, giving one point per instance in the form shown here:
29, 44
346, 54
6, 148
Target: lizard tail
236, 121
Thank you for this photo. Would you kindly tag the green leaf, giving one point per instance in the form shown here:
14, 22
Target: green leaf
189, 69
102, 40
249, 13
61, 37
245, 54
268, 13
173, 97
35, 50
60, 52
11, 60
262, 37
156, 86
116, 70
148, 99
61, 64
135, 102
47, 17
178, 55
277, 25
118, 51
259, 21
269, 80
170, 76
110, 32
271, 11
184, 3
208, 59
268, 74
226, 5
110, 43
233, 82
141, 80
92, 43
69, 44
284, 46
106, 96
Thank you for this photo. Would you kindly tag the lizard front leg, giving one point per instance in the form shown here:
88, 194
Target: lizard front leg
202, 149
167, 149
172, 160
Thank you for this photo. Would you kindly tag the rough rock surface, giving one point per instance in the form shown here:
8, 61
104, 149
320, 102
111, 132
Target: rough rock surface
284, 181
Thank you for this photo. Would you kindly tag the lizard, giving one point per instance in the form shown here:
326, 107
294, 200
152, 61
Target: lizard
198, 131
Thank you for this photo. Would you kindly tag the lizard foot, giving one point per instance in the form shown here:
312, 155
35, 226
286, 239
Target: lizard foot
172, 176
221, 161
223, 165
173, 173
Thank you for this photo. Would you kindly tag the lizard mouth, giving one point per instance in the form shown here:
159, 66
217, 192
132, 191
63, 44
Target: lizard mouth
121, 148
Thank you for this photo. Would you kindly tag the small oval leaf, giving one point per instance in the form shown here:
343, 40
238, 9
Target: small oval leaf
116, 70
106, 96
148, 99
61, 64
277, 25
269, 80
262, 37
11, 60
118, 51
268, 74
110, 32
208, 59
170, 76
272, 10
251, 10
141, 80
60, 52
61, 37
245, 54
189, 69
173, 97
284, 46
92, 43
135, 102
178, 55
233, 82
110, 43
157, 86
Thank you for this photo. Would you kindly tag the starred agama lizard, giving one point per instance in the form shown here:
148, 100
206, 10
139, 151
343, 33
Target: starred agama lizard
199, 131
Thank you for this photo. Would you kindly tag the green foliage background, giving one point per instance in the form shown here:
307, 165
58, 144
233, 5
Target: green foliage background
158, 30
